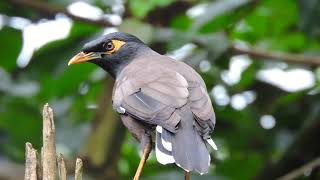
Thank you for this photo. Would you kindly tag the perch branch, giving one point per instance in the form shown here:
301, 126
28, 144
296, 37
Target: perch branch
78, 173
62, 168
143, 160
286, 57
291, 158
50, 10
49, 147
186, 175
300, 171
31, 163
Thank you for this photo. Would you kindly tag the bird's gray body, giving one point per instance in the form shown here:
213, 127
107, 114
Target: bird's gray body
159, 91
155, 92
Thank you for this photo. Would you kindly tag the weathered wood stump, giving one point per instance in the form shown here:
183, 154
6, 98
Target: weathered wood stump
45, 167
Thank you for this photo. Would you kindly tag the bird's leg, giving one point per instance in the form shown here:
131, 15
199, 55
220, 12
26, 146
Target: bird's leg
146, 142
186, 175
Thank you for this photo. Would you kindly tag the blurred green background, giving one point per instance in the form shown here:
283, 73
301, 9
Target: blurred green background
259, 58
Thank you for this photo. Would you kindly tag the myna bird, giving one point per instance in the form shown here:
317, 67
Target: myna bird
153, 92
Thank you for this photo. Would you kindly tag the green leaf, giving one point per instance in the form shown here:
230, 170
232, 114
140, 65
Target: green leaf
271, 18
82, 29
248, 77
290, 42
181, 22
140, 8
22, 123
10, 46
309, 15
218, 23
290, 98
219, 14
54, 56
241, 165
136, 27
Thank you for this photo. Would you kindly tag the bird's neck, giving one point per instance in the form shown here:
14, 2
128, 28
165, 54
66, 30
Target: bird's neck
114, 67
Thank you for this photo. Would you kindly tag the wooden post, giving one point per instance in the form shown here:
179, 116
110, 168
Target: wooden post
31, 163
62, 168
43, 166
49, 168
78, 172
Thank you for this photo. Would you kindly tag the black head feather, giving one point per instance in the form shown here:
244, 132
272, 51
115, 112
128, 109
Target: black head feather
115, 62
96, 45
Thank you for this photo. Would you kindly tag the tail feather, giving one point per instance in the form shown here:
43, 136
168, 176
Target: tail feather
189, 149
163, 155
185, 147
166, 139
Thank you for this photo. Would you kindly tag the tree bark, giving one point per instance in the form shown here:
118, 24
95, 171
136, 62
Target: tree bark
280, 56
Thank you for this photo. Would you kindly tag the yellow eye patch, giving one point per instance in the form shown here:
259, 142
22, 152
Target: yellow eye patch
117, 45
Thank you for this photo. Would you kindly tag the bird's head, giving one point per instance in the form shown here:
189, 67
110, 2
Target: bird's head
111, 52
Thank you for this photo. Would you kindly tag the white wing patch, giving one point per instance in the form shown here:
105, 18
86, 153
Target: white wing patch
212, 144
121, 110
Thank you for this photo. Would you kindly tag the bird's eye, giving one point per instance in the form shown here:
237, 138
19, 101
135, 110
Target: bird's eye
108, 46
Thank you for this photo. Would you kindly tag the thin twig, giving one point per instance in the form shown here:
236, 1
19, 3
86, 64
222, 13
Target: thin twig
78, 172
143, 160
49, 147
287, 57
51, 10
62, 168
31, 163
300, 171
186, 175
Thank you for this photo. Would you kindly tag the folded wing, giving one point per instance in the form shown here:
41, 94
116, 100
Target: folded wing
153, 99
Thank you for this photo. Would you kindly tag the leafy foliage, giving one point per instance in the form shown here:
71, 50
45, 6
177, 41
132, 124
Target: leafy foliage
11, 43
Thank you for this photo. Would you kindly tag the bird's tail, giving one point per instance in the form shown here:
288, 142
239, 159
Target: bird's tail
186, 147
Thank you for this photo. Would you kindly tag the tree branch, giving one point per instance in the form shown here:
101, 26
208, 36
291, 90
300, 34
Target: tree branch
300, 171
301, 151
51, 10
268, 55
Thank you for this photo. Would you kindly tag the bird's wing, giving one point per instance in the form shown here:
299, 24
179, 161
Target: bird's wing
152, 96
201, 107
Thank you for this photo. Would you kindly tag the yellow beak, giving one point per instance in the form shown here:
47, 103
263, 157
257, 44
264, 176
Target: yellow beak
83, 57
